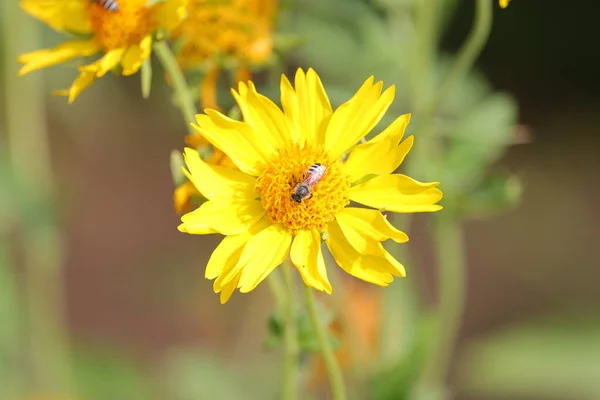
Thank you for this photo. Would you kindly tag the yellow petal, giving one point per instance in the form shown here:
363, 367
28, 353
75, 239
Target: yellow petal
397, 193
262, 254
168, 14
136, 55
385, 149
354, 119
307, 256
225, 256
216, 182
208, 90
504, 3
228, 289
82, 82
307, 107
64, 15
237, 139
376, 269
220, 216
64, 52
264, 116
364, 227
106, 63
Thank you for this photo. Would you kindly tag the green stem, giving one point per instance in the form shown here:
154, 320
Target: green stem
43, 260
468, 53
182, 92
336, 379
290, 339
449, 244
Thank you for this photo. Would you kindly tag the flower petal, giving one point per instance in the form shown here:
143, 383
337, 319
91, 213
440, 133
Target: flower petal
216, 182
397, 193
82, 82
136, 55
307, 256
224, 217
64, 52
168, 14
225, 256
65, 15
376, 269
262, 254
238, 140
228, 289
365, 228
354, 119
385, 148
307, 107
106, 63
182, 196
263, 115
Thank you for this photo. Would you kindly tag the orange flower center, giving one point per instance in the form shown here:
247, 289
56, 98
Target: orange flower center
326, 198
122, 28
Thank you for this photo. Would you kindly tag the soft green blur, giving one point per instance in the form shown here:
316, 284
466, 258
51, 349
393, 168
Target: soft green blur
102, 298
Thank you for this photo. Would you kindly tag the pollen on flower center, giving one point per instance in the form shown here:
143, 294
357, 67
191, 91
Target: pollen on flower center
122, 28
277, 183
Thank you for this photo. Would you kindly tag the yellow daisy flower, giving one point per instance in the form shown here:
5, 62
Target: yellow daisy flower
504, 3
273, 150
123, 35
232, 32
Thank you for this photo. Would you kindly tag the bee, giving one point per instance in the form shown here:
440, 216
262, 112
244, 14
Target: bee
110, 5
303, 190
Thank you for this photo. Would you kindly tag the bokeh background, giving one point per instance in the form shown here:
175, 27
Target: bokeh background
144, 319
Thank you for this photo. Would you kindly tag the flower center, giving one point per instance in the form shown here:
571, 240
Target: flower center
122, 28
318, 206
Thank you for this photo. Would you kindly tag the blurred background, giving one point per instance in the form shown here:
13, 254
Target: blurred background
144, 323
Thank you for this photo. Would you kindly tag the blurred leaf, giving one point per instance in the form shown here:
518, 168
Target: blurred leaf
146, 77
493, 195
106, 373
557, 359
398, 381
195, 374
176, 165
478, 139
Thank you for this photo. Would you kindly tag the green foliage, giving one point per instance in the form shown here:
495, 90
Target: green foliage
399, 380
551, 359
108, 373
146, 78
307, 337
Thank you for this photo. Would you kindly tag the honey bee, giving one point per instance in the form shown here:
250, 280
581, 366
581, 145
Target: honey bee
110, 5
303, 190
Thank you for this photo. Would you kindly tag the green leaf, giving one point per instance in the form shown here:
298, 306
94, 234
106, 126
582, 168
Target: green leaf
176, 165
146, 77
492, 196
554, 359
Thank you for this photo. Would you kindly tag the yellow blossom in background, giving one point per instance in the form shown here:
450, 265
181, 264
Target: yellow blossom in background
504, 3
273, 150
232, 32
122, 37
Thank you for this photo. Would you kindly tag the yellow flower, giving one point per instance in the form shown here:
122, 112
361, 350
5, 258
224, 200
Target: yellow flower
218, 32
504, 3
272, 149
123, 37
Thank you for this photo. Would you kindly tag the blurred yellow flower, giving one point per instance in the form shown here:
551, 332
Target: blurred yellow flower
123, 36
504, 3
273, 151
236, 33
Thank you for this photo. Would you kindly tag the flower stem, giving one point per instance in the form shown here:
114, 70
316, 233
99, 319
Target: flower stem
182, 92
336, 379
468, 53
29, 148
290, 338
448, 239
